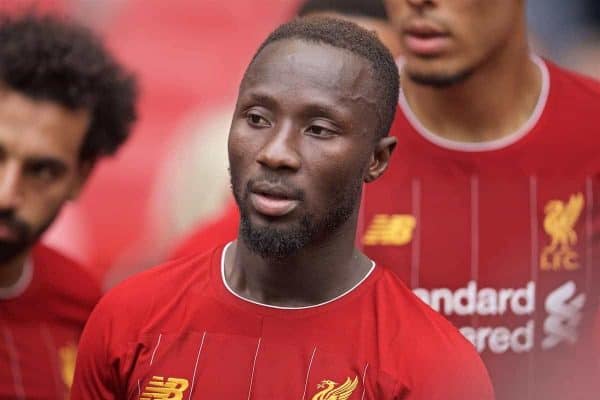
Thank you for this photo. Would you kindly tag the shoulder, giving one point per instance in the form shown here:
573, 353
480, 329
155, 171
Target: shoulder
570, 124
417, 321
64, 276
566, 82
430, 350
413, 312
154, 299
157, 288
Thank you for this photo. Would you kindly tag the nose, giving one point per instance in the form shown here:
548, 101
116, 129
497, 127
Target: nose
280, 151
10, 191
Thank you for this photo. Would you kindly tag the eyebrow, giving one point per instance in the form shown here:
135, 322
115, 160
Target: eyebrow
264, 99
54, 162
38, 159
311, 110
321, 110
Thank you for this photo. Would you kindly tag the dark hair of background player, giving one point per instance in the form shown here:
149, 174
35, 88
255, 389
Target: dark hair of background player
47, 58
349, 36
362, 8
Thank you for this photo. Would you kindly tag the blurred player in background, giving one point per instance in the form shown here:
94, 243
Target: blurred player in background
64, 104
292, 309
488, 212
370, 15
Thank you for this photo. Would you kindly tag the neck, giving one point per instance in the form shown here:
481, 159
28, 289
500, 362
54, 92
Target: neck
11, 270
317, 273
495, 101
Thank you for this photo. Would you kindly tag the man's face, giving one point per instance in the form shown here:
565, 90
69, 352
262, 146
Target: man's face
301, 140
444, 41
39, 166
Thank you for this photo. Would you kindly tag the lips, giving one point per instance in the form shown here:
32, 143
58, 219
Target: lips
273, 200
425, 39
6, 232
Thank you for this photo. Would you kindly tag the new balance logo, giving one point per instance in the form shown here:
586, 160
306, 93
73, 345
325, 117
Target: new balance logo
161, 388
390, 230
564, 309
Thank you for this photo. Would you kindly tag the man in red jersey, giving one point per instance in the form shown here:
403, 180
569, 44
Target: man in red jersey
488, 212
64, 103
291, 308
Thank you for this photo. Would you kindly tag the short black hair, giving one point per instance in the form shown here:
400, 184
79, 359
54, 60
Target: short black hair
349, 36
361, 8
46, 57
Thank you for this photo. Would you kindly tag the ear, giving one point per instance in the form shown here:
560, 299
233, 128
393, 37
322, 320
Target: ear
380, 158
83, 172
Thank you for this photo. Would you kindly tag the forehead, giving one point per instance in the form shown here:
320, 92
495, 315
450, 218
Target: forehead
31, 127
293, 66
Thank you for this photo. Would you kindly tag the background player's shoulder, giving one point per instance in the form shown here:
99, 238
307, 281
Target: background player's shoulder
65, 278
574, 84
59, 264
210, 234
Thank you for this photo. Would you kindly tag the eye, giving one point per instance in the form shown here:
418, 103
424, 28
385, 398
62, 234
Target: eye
257, 120
320, 131
43, 171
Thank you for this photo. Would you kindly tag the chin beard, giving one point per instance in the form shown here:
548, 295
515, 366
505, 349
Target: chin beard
439, 81
273, 243
10, 250
26, 238
276, 243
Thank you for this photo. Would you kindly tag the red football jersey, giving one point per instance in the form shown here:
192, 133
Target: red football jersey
500, 237
178, 331
41, 319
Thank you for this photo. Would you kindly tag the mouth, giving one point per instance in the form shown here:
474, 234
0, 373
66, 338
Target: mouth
273, 200
425, 39
7, 233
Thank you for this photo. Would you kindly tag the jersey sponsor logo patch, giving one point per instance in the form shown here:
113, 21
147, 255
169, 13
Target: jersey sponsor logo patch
563, 307
561, 218
67, 355
390, 230
161, 388
564, 315
331, 390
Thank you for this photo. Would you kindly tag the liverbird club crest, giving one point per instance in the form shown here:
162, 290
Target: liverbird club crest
559, 224
331, 390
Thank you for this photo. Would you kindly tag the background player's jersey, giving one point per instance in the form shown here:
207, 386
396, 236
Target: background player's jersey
502, 237
41, 319
211, 234
179, 331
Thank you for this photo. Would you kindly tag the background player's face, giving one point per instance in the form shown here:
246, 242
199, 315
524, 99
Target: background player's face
300, 144
444, 41
39, 166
